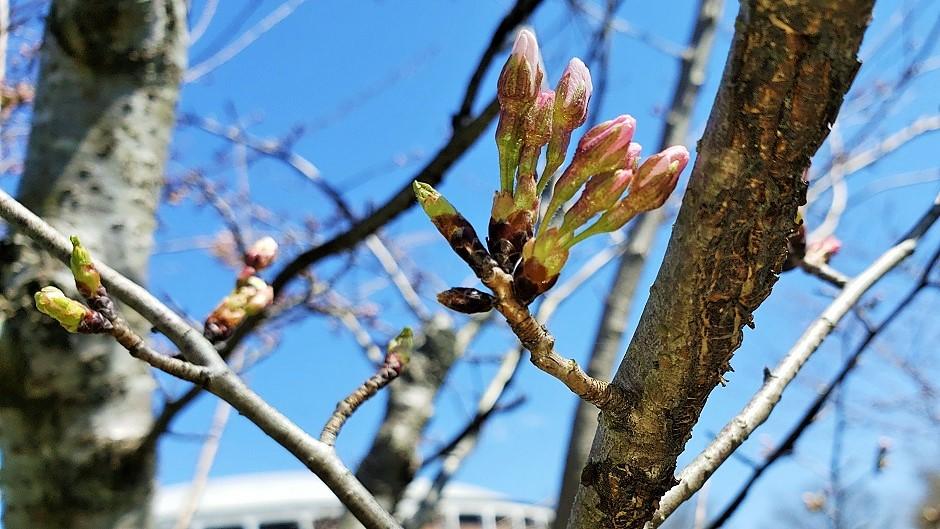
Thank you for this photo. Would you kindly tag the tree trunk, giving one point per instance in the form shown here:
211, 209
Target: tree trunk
73, 409
788, 70
619, 299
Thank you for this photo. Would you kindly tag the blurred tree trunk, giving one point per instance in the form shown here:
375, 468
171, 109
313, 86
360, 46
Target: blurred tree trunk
74, 410
786, 75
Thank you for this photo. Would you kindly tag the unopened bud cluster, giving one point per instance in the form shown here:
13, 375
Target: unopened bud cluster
75, 316
606, 169
250, 296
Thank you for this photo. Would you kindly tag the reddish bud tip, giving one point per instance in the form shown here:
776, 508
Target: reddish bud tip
521, 76
572, 96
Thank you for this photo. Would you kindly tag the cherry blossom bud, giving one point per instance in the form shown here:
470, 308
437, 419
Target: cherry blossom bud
399, 350
604, 148
657, 177
250, 297
542, 261
87, 279
466, 300
521, 77
600, 193
262, 253
537, 127
72, 315
823, 250
572, 96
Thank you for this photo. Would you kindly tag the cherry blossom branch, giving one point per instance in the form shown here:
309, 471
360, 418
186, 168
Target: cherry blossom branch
219, 378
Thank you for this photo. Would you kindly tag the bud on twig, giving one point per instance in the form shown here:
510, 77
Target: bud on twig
262, 253
601, 192
250, 297
453, 226
521, 76
602, 149
87, 279
466, 300
542, 261
652, 184
72, 315
399, 351
517, 89
657, 177
572, 96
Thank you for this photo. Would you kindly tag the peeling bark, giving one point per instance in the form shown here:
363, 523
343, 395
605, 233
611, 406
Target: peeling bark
75, 409
788, 70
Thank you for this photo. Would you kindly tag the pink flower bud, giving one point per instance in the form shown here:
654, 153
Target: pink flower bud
537, 127
656, 178
521, 77
572, 96
823, 250
605, 147
602, 149
262, 253
600, 193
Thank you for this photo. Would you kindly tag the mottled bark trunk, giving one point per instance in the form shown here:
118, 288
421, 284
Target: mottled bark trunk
619, 300
73, 409
392, 460
788, 70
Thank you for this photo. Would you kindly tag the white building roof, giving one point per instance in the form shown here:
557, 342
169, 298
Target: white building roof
301, 491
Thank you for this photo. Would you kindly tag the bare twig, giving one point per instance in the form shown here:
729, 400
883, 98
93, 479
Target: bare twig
202, 23
763, 402
242, 41
385, 258
864, 158
399, 350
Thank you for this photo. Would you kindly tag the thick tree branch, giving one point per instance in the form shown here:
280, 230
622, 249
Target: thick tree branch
316, 456
763, 402
789, 68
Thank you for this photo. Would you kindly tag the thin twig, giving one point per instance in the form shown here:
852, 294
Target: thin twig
788, 444
389, 371
763, 402
242, 41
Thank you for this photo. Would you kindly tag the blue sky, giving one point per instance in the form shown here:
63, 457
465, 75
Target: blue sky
373, 82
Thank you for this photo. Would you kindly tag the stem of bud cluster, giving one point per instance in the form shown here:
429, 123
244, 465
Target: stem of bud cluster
508, 145
554, 157
601, 226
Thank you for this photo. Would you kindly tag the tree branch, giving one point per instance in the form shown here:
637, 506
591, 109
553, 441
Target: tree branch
763, 402
788, 70
316, 456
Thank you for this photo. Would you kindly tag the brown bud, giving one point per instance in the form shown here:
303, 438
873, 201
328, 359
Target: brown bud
466, 300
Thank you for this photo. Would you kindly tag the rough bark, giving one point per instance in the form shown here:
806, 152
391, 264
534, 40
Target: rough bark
788, 70
74, 410
642, 234
392, 460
